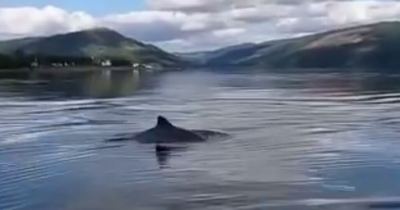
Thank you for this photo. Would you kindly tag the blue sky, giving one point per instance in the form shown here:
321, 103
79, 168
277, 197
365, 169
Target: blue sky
94, 7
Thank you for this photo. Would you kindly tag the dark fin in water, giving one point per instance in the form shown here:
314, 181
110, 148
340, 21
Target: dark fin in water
163, 122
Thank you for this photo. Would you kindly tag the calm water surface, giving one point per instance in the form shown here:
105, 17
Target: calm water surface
299, 141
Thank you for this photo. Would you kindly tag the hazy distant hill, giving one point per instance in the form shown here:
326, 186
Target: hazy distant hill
371, 46
220, 55
98, 42
9, 46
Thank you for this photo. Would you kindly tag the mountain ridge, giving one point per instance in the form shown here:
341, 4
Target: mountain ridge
371, 45
100, 42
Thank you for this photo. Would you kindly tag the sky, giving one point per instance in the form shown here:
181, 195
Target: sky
191, 25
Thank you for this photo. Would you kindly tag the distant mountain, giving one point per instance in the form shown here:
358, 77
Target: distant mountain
97, 42
193, 57
365, 46
9, 46
203, 57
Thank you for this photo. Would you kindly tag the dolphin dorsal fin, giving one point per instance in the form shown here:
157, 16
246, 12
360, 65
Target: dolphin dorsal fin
163, 122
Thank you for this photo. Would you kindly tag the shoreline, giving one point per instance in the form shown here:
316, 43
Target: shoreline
51, 69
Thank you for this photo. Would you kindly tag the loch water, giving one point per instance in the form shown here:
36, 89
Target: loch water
299, 140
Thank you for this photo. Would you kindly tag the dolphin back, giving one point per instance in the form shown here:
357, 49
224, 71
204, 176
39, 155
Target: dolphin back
165, 132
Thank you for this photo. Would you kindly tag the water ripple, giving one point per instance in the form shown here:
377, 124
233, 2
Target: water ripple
298, 142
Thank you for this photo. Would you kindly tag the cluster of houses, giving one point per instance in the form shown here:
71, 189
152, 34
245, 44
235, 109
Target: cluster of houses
103, 63
134, 65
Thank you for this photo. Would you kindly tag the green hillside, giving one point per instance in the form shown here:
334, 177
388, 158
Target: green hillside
101, 43
366, 46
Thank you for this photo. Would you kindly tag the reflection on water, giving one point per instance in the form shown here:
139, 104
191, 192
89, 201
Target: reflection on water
164, 153
299, 141
70, 85
111, 84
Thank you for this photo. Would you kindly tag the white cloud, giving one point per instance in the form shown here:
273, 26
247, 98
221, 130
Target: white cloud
202, 24
41, 21
191, 5
228, 32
